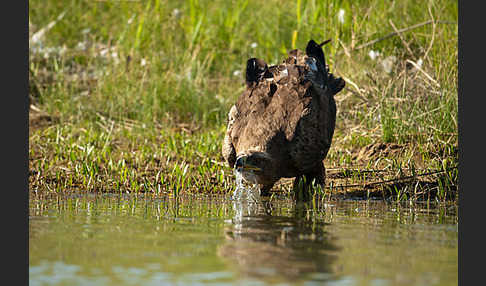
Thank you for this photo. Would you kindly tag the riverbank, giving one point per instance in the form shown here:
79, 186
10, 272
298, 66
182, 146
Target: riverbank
132, 96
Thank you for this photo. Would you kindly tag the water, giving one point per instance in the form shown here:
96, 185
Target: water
81, 239
247, 190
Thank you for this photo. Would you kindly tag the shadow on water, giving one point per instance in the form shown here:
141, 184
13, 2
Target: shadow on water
275, 247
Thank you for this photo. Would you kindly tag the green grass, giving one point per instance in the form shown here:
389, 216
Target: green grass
138, 96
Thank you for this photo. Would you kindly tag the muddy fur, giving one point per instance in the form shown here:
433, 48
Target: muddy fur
284, 123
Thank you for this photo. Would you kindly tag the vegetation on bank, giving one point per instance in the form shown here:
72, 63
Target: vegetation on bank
132, 96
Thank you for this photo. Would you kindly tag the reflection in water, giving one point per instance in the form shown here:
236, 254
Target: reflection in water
116, 239
277, 247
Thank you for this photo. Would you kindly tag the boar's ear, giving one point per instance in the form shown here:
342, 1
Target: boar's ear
255, 70
315, 50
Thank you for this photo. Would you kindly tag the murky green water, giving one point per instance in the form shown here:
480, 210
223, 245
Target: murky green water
196, 240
